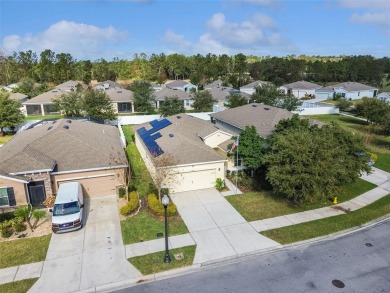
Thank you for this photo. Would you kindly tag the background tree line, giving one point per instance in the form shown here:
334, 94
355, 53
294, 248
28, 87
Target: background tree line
237, 70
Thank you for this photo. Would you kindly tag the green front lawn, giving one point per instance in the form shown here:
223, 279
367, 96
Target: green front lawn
378, 144
154, 263
330, 225
262, 205
5, 138
37, 117
23, 251
18, 287
144, 226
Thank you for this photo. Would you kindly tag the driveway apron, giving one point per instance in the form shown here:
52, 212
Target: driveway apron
90, 257
217, 228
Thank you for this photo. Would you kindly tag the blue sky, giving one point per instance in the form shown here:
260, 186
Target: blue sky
90, 29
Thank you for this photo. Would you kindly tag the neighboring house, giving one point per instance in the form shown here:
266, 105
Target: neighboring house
300, 89
251, 88
384, 97
263, 117
181, 85
191, 143
9, 88
122, 99
36, 161
19, 97
214, 84
156, 87
43, 103
182, 95
220, 95
105, 85
348, 90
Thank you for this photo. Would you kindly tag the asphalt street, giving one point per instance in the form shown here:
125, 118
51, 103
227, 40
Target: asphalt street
361, 261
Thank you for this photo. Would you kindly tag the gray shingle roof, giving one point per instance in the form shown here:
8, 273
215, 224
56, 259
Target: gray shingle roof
166, 92
84, 145
302, 84
46, 98
263, 117
186, 145
110, 84
254, 84
119, 94
18, 96
216, 83
353, 86
176, 83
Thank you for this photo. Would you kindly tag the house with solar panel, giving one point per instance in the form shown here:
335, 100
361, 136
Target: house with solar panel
191, 142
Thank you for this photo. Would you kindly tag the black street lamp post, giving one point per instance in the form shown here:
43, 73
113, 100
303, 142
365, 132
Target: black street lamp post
165, 201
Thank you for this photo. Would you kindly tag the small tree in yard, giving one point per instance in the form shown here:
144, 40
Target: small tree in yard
310, 164
98, 105
25, 214
203, 101
172, 106
70, 103
164, 176
343, 104
143, 96
38, 215
251, 147
235, 100
10, 115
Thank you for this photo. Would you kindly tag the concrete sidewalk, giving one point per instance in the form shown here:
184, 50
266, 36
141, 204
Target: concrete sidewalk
209, 240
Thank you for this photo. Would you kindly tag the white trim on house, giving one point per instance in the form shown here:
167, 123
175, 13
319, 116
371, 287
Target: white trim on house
86, 177
88, 170
13, 179
32, 172
192, 164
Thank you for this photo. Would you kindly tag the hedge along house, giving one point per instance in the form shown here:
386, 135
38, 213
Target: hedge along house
36, 161
188, 144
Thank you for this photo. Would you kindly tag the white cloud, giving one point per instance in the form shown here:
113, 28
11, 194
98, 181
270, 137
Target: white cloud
371, 12
83, 41
224, 37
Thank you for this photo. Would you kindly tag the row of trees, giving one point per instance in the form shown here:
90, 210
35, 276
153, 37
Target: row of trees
304, 162
236, 70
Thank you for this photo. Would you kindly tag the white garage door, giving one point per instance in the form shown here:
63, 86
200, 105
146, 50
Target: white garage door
97, 186
195, 180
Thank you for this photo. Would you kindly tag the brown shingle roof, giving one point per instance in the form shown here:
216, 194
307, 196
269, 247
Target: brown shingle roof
186, 145
45, 98
119, 94
84, 145
263, 117
18, 96
176, 83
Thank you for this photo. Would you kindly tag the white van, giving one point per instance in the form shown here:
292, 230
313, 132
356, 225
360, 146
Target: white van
68, 208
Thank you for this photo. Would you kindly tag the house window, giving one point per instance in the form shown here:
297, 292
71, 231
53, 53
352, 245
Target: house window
187, 103
4, 197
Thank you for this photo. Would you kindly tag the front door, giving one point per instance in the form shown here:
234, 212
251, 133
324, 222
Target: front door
37, 193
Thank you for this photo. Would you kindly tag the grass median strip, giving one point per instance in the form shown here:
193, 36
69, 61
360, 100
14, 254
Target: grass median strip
330, 225
144, 226
154, 262
18, 286
262, 205
23, 251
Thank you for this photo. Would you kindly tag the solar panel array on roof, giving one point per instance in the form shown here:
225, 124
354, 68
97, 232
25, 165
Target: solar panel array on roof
149, 138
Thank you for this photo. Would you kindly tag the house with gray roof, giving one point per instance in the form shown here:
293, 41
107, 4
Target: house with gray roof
216, 83
164, 93
221, 95
263, 117
105, 85
122, 99
348, 90
19, 97
181, 85
251, 87
36, 161
384, 97
300, 89
191, 144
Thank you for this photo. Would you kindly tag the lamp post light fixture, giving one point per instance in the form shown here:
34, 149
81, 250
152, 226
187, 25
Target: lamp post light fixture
165, 202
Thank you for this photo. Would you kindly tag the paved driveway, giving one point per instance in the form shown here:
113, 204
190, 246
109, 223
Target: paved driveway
90, 257
217, 228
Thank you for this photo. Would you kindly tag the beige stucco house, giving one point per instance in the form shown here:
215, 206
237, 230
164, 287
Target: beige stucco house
185, 145
36, 161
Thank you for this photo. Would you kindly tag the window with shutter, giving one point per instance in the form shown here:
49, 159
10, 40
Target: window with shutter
4, 197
